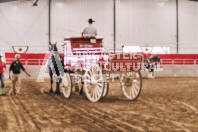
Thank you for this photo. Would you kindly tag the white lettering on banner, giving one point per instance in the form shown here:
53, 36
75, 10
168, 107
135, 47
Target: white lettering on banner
122, 68
115, 68
120, 77
128, 65
106, 78
105, 67
136, 68
132, 55
112, 56
112, 77
79, 67
118, 55
124, 56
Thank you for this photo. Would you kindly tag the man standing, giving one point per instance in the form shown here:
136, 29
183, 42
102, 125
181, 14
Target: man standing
16, 67
2, 70
89, 31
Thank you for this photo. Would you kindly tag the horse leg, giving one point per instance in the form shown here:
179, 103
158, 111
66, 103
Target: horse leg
76, 87
58, 86
81, 90
51, 81
51, 90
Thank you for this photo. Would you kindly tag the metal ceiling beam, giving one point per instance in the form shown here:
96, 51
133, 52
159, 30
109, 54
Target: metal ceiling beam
177, 24
49, 22
114, 25
3, 1
194, 0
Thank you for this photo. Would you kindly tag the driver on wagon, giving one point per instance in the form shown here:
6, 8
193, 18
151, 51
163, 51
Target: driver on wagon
89, 31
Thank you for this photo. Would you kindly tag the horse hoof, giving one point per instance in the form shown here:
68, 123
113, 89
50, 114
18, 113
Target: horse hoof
81, 93
51, 91
57, 93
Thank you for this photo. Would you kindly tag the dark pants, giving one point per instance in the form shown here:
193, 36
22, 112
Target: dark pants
2, 80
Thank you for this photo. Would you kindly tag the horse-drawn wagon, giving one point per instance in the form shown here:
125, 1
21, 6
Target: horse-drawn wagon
86, 56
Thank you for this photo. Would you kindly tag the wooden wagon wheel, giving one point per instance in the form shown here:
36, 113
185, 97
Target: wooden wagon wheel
106, 89
132, 85
93, 83
67, 85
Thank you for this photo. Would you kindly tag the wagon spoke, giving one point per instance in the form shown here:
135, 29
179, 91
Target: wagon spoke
99, 80
135, 90
94, 93
91, 92
99, 84
97, 92
88, 81
136, 86
99, 89
130, 91
95, 71
88, 76
91, 73
136, 82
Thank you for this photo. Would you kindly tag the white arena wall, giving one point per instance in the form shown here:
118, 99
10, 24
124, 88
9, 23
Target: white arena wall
138, 22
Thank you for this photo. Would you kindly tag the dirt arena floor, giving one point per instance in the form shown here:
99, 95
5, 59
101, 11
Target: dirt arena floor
165, 104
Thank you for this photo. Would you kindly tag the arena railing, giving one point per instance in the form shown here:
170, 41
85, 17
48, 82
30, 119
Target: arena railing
166, 59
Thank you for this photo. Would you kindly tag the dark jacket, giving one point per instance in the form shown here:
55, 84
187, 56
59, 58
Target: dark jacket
16, 67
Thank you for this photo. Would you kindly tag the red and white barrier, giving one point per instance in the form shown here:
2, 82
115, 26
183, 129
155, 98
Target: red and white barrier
174, 65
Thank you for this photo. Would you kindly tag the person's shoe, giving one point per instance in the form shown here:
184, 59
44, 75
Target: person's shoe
3, 90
